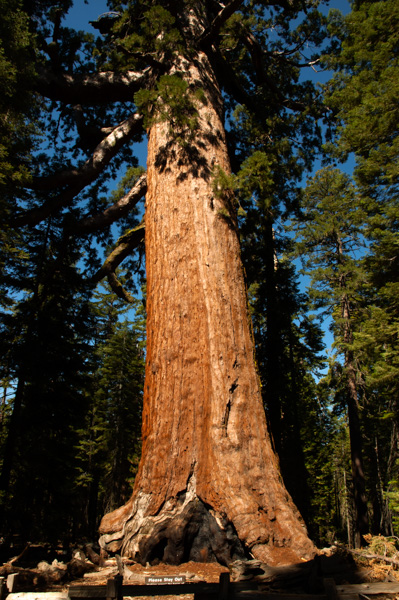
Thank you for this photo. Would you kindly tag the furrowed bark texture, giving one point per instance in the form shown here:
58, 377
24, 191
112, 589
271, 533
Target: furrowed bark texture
208, 486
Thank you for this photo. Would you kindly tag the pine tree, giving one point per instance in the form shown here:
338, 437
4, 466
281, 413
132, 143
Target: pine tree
109, 445
18, 130
364, 89
47, 341
363, 94
329, 236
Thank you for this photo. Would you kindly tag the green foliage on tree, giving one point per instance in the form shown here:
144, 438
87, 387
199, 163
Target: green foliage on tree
364, 90
330, 238
18, 131
109, 443
46, 339
363, 95
71, 435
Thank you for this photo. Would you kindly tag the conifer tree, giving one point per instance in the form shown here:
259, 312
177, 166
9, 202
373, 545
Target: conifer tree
363, 95
47, 342
329, 237
109, 444
364, 89
18, 131
208, 481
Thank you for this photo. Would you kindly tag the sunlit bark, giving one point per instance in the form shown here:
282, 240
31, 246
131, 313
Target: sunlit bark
208, 485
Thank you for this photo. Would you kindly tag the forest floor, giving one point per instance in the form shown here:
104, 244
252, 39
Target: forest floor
136, 573
54, 574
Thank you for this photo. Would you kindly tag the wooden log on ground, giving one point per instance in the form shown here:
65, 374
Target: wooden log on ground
87, 591
242, 570
92, 555
76, 568
38, 596
379, 587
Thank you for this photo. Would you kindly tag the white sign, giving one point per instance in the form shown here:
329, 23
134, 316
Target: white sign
165, 579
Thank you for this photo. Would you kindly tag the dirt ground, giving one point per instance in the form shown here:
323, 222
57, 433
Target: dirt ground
337, 563
136, 574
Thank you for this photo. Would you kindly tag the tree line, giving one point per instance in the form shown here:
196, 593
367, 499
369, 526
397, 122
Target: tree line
72, 368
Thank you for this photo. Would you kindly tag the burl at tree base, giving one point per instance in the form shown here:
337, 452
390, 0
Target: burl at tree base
208, 486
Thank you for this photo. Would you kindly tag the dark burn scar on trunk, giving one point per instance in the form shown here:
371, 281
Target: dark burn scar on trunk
227, 411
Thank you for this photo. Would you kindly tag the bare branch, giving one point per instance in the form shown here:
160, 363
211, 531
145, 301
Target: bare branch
95, 88
126, 244
370, 556
118, 288
294, 50
117, 210
77, 179
101, 156
210, 33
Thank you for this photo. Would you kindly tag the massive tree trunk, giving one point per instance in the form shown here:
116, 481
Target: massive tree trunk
208, 486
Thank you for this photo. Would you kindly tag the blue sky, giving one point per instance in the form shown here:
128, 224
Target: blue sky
81, 13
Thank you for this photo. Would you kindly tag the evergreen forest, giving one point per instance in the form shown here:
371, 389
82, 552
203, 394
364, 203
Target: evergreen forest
311, 114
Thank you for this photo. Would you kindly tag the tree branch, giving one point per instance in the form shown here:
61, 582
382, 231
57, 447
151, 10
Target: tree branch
210, 33
95, 88
372, 556
114, 212
77, 179
89, 135
126, 244
118, 288
103, 153
257, 55
230, 80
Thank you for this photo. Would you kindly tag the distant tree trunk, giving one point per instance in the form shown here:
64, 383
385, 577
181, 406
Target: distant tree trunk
273, 345
355, 435
3, 404
281, 410
208, 486
11, 440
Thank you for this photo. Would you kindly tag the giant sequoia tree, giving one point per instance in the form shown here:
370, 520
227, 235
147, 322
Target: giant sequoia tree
208, 484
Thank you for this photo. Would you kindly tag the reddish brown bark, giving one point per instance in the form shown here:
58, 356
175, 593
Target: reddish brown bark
208, 485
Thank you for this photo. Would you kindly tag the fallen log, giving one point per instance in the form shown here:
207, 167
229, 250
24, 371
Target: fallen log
76, 568
378, 587
38, 596
388, 559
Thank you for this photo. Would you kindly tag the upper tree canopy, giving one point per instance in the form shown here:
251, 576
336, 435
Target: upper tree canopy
96, 96
364, 90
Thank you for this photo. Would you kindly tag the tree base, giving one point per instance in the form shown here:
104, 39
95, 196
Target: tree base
184, 529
